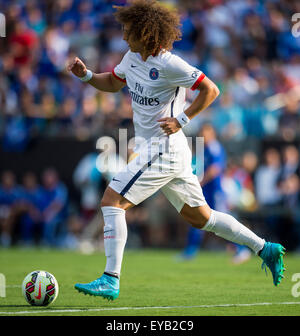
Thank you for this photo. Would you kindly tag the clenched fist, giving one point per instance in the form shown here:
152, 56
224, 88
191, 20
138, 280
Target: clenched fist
77, 67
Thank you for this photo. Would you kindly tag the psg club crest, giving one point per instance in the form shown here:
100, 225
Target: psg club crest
154, 74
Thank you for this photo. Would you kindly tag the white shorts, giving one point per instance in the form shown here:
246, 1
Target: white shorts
166, 167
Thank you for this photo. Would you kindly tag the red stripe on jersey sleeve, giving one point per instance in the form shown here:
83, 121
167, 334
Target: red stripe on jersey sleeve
198, 81
119, 78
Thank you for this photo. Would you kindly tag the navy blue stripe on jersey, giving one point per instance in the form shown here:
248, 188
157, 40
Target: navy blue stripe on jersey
172, 104
138, 174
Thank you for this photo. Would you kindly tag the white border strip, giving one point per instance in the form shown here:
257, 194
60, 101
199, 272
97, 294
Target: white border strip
47, 311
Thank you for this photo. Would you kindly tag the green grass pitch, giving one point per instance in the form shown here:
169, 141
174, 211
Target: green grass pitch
153, 283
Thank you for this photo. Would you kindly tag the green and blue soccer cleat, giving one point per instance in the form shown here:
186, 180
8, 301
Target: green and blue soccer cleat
272, 256
106, 286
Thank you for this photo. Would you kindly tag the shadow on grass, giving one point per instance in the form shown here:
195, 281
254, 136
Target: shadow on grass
13, 306
52, 307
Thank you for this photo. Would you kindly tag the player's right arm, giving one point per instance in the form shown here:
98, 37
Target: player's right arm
105, 81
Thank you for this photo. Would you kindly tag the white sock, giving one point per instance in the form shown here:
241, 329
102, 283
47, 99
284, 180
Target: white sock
115, 237
229, 228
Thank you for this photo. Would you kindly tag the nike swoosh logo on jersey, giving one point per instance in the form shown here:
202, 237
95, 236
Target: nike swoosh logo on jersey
107, 231
114, 179
133, 66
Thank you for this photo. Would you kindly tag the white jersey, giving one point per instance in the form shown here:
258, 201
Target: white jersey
157, 87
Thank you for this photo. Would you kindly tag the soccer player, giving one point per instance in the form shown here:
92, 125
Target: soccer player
157, 80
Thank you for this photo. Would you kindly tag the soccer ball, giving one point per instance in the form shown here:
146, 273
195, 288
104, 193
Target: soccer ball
40, 288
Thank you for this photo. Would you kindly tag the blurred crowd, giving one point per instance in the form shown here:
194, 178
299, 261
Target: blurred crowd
245, 46
41, 210
269, 187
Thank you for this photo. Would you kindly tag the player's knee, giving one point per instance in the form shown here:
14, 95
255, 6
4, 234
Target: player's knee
196, 216
198, 222
104, 202
107, 200
113, 199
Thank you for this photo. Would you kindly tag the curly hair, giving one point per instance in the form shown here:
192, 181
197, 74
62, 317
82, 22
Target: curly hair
156, 26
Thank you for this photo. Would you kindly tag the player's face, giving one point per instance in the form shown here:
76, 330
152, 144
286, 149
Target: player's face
134, 44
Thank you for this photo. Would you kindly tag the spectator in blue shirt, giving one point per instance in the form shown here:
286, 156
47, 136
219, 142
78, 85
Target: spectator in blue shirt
54, 208
31, 200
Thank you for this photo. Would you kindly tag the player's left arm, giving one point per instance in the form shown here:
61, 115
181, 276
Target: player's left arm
208, 93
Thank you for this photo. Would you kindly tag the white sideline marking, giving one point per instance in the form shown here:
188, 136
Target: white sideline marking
46, 311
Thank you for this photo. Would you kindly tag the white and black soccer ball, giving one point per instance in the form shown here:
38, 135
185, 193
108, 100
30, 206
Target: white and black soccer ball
40, 288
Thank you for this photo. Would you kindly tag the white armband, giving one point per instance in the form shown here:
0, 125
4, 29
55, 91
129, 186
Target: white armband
183, 119
87, 77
